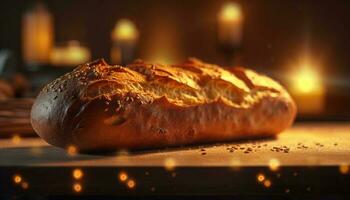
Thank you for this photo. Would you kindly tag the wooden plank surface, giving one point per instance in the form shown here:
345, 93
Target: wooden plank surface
310, 144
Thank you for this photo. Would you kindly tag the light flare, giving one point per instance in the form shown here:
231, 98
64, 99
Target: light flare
274, 164
17, 178
77, 187
267, 183
77, 174
169, 164
260, 177
131, 184
123, 176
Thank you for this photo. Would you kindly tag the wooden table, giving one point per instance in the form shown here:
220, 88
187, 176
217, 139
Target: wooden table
308, 159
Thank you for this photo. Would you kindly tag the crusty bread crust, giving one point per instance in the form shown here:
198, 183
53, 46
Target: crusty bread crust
143, 105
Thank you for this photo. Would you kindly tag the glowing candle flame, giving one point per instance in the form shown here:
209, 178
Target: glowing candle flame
230, 12
230, 22
125, 30
70, 55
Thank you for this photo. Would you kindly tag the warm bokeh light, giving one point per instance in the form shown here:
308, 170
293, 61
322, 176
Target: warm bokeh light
267, 183
70, 55
16, 139
274, 164
306, 86
72, 150
260, 177
25, 185
169, 164
230, 12
123, 176
125, 30
17, 178
131, 184
77, 174
306, 79
235, 164
344, 169
77, 187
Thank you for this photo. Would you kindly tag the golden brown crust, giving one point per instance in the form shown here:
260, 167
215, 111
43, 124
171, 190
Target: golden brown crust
144, 105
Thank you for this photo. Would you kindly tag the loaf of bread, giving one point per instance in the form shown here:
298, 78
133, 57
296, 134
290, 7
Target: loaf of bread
143, 105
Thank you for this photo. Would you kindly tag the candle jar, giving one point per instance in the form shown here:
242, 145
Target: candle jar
124, 40
37, 36
229, 32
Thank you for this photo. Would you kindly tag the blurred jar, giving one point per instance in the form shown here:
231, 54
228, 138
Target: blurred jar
37, 36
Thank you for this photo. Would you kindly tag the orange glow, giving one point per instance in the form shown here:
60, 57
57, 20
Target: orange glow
306, 80
37, 35
77, 187
123, 176
169, 164
72, 54
230, 23
16, 139
267, 183
260, 177
17, 178
344, 169
25, 185
78, 174
230, 12
72, 150
274, 164
306, 86
131, 184
125, 30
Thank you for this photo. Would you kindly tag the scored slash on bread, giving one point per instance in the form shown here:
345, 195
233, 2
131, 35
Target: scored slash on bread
145, 105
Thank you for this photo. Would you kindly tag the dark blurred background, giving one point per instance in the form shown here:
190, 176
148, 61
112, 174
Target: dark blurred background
278, 38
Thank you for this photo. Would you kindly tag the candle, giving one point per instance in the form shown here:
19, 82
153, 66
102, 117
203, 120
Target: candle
230, 25
307, 90
124, 38
70, 55
37, 35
